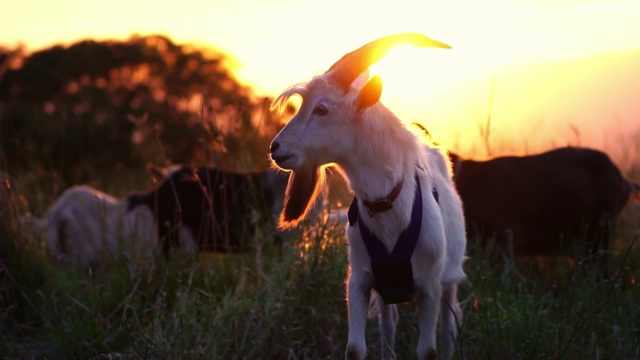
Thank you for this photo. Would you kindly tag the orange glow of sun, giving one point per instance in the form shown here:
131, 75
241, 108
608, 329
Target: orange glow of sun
412, 73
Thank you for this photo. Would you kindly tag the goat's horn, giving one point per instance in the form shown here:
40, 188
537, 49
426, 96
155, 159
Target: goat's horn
347, 69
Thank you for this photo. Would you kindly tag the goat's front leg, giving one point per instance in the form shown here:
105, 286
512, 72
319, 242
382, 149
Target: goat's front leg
388, 320
429, 302
450, 315
358, 296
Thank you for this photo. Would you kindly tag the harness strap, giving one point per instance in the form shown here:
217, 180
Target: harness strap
407, 240
393, 272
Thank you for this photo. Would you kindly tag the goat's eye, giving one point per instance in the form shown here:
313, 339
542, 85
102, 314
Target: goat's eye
320, 110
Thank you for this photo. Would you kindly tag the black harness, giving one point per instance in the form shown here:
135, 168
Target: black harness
392, 273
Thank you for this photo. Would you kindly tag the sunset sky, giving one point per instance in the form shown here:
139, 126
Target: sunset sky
528, 53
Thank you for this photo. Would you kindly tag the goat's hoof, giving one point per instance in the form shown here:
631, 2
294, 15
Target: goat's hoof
354, 354
431, 354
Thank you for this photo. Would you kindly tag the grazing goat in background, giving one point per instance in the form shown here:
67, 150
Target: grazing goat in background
547, 204
84, 224
208, 209
401, 186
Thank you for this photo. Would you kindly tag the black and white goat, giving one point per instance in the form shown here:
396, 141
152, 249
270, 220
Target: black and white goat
547, 204
202, 208
406, 230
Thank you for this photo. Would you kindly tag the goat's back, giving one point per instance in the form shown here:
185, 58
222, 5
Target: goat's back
81, 225
541, 197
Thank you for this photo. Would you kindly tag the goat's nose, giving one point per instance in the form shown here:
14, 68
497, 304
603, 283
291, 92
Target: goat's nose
274, 146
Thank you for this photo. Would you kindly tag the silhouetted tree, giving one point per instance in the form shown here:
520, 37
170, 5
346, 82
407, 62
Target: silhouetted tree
92, 106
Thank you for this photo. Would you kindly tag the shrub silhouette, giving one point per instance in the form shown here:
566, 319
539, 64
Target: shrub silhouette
96, 105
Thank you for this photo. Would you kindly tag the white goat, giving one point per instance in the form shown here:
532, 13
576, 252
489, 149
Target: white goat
381, 159
84, 224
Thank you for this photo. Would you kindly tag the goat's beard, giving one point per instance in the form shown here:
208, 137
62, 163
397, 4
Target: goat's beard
302, 192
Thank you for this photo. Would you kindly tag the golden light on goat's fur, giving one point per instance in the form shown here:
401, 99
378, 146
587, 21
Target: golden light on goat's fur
302, 193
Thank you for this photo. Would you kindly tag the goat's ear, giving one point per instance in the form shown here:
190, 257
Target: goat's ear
370, 94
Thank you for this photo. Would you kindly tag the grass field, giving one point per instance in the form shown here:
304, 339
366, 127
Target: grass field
288, 302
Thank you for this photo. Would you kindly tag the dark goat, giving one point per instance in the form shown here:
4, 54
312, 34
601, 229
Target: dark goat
210, 209
548, 203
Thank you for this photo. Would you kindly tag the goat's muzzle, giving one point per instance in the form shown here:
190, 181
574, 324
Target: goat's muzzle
279, 159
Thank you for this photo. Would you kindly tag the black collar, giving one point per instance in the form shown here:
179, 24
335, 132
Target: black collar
385, 203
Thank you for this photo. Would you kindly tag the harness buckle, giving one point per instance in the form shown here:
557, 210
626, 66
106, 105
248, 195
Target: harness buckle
378, 206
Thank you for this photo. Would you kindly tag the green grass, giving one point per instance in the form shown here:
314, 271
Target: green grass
288, 302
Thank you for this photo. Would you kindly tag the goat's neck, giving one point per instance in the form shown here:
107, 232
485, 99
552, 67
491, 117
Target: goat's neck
372, 180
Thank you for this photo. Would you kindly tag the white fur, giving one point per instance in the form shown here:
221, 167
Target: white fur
84, 224
374, 150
